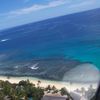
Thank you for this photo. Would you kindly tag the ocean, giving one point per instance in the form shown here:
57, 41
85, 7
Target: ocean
75, 37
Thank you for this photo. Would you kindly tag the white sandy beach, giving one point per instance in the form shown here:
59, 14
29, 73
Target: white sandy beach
44, 83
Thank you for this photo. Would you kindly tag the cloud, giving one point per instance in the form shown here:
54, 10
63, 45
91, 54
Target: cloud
37, 7
70, 4
82, 4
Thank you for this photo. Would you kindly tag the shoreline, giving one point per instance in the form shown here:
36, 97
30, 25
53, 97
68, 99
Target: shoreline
44, 83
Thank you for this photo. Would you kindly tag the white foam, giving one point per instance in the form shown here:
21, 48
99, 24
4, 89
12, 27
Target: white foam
16, 66
4, 40
34, 67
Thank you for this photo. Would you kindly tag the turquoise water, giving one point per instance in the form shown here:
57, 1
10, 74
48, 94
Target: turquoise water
84, 52
75, 37
75, 50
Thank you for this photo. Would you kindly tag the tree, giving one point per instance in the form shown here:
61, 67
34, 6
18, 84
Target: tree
38, 84
65, 92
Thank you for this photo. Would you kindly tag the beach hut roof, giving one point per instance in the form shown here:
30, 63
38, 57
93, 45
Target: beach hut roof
54, 98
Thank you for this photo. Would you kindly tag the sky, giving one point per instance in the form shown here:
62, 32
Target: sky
19, 12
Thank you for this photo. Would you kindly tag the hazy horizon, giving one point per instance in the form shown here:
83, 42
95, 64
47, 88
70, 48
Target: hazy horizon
46, 19
28, 11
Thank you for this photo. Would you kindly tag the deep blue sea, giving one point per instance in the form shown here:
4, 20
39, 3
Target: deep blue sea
75, 36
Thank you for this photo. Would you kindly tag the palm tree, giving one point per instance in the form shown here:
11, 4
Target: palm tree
65, 92
38, 84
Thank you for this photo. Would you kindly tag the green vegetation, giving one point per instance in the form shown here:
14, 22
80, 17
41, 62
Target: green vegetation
65, 92
24, 90
21, 91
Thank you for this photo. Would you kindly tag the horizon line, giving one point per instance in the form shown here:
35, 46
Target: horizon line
50, 18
